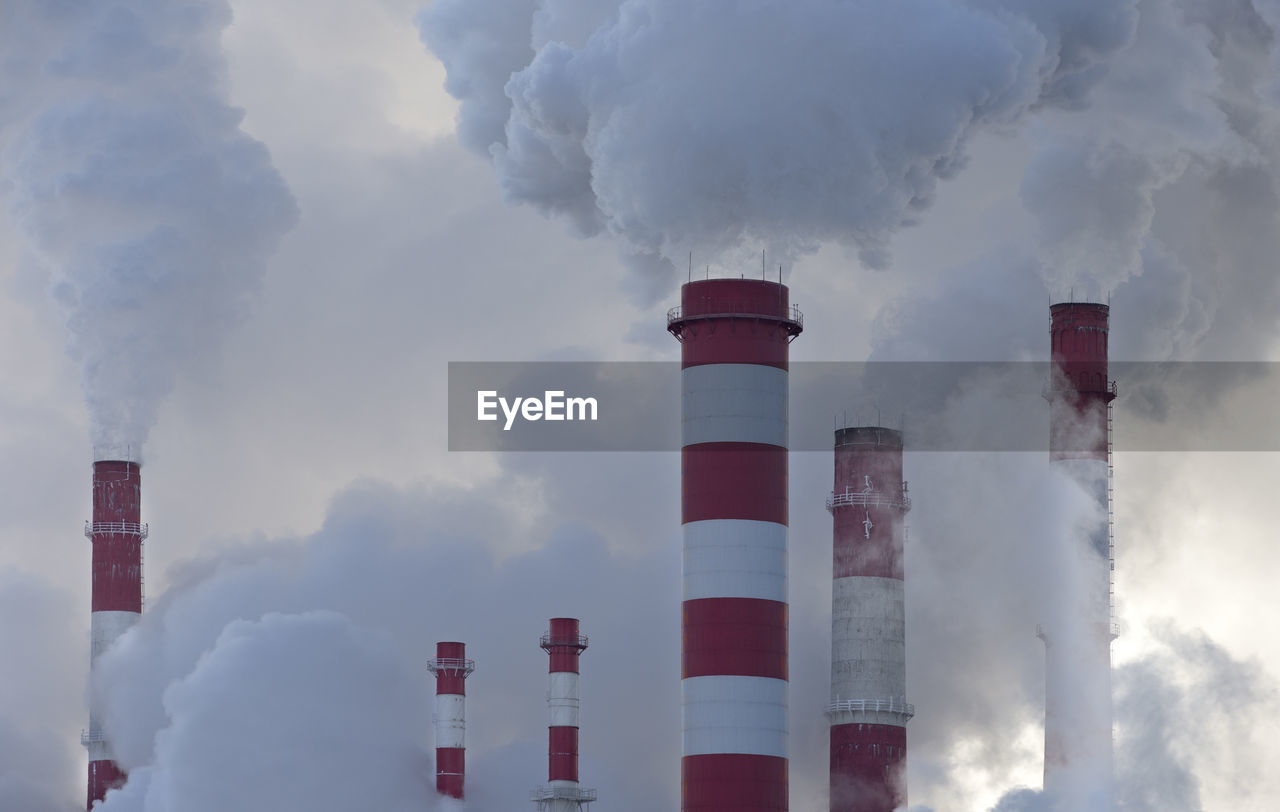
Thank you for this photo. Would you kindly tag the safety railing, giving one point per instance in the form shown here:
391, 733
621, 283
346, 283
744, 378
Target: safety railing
87, 736
868, 499
737, 310
891, 705
550, 793
578, 641
123, 528
451, 666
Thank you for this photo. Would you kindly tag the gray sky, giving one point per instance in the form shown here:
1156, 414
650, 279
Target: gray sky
299, 466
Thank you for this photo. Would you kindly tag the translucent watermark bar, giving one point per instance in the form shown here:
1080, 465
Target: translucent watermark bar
940, 406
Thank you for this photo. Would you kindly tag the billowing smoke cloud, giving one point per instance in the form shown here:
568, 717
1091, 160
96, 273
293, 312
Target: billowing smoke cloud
1185, 106
681, 126
133, 184
1186, 725
308, 657
1186, 731
1161, 195
290, 711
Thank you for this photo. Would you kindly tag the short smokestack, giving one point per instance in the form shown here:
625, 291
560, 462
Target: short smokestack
1078, 712
868, 710
563, 793
116, 533
451, 669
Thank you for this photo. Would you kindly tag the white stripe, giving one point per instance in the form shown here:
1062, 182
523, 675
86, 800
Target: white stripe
735, 558
868, 638
730, 714
742, 403
107, 627
451, 720
562, 699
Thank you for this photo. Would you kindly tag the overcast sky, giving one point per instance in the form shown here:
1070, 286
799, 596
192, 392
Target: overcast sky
301, 497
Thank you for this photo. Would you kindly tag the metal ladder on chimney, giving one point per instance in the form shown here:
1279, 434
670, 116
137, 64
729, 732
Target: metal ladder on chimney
1111, 531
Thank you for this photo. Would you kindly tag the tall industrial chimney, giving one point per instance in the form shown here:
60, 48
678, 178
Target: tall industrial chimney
116, 533
451, 669
563, 793
868, 710
735, 336
1078, 723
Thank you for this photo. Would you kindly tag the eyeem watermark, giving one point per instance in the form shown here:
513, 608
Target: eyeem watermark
552, 406
941, 406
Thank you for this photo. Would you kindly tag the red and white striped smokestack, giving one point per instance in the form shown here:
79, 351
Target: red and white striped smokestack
116, 533
1078, 711
735, 336
868, 710
451, 669
563, 793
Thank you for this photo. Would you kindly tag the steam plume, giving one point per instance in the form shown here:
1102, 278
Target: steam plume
683, 125
132, 182
309, 656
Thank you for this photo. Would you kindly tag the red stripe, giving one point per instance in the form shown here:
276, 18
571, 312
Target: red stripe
867, 764
734, 341
450, 760
733, 782
734, 481
450, 786
564, 660
1078, 346
735, 636
451, 680
737, 295
447, 685
562, 753
450, 769
103, 775
117, 558
451, 650
117, 573
117, 491
564, 643
756, 336
854, 554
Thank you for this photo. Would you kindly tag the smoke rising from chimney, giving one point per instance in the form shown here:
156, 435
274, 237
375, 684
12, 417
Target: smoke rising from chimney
134, 186
1185, 94
679, 125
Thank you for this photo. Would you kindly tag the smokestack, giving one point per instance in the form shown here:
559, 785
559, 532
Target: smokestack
735, 336
868, 710
451, 669
1078, 724
563, 794
116, 533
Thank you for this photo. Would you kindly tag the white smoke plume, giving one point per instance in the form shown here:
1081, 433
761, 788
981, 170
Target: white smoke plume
1186, 722
1187, 736
1185, 105
289, 711
679, 126
133, 184
292, 674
